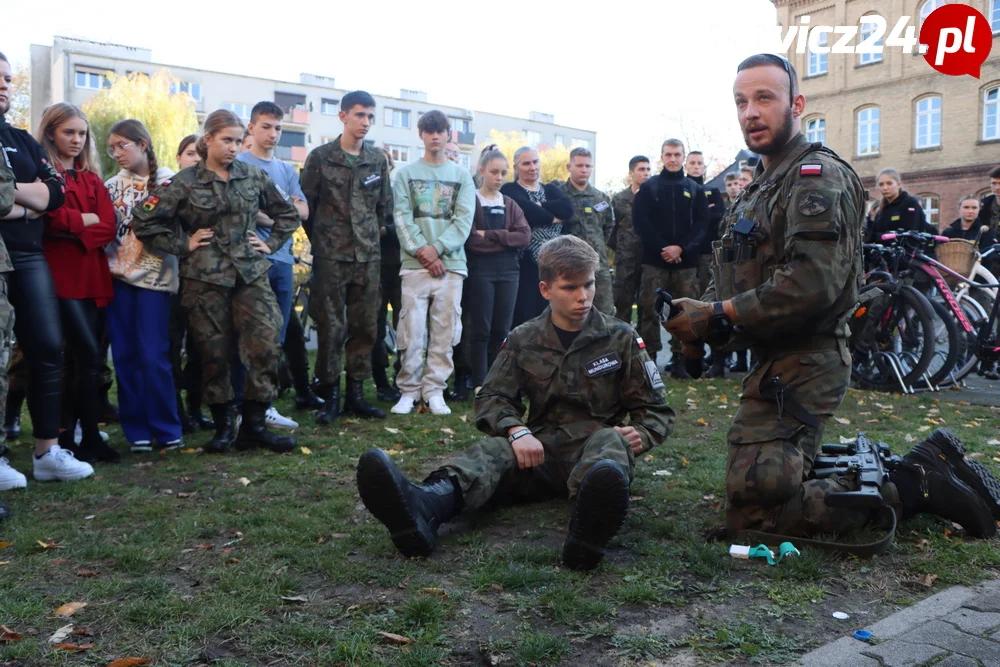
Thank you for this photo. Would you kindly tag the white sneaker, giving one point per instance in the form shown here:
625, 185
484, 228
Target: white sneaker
438, 406
273, 418
404, 406
78, 434
10, 478
60, 464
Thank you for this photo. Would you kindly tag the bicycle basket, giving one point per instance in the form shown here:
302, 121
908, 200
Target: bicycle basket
959, 255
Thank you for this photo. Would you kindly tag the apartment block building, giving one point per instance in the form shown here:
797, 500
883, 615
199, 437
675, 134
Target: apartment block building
72, 70
893, 110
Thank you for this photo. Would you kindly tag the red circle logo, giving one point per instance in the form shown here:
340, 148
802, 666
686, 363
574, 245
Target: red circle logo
958, 39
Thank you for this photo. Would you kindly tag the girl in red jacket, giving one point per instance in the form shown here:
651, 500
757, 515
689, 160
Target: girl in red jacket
75, 236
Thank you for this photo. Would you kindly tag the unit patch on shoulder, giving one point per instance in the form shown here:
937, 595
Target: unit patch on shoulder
813, 203
655, 379
150, 203
811, 170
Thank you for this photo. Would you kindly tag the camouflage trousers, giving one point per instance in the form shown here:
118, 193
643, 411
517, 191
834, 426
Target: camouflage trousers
245, 317
770, 455
679, 283
603, 299
628, 273
344, 300
704, 274
6, 331
488, 475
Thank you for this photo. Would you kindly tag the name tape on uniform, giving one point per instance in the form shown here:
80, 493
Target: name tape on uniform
374, 178
602, 365
602, 206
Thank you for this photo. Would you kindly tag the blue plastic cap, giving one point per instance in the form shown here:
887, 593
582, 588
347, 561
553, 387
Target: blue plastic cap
862, 635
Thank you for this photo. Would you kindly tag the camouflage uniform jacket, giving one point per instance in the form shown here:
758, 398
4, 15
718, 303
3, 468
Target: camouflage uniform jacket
196, 198
603, 376
346, 204
626, 239
7, 184
797, 276
593, 218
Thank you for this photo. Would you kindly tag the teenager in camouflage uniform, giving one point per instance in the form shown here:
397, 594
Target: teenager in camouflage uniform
6, 312
207, 216
626, 243
583, 372
786, 272
347, 185
593, 220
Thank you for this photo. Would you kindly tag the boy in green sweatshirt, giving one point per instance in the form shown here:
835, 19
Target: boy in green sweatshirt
434, 199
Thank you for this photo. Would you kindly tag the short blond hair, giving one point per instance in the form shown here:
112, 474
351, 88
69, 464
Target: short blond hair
566, 257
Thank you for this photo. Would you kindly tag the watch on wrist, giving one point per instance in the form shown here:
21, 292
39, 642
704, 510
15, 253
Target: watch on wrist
518, 434
717, 309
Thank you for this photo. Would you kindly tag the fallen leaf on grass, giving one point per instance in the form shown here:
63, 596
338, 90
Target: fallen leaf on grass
185, 494
909, 438
842, 420
976, 455
394, 431
4, 545
129, 662
81, 632
55, 562
143, 464
923, 429
305, 450
391, 638
61, 634
7, 635
244, 481
232, 561
498, 588
464, 418
844, 440
51, 544
685, 462
647, 458
447, 431
66, 646
295, 598
929, 580
662, 473
702, 422
437, 592
69, 609
351, 421
988, 442
4, 562
86, 574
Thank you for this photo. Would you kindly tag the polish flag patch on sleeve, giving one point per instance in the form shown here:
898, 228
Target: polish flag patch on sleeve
642, 343
811, 170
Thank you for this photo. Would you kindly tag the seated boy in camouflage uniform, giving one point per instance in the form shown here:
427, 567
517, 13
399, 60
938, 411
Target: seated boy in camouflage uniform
583, 372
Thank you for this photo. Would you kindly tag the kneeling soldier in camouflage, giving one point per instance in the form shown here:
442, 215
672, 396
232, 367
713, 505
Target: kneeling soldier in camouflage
582, 372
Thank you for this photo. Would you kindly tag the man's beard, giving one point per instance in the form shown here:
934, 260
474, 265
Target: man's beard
782, 135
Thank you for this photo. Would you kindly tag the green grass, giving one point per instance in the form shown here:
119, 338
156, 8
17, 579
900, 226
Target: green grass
201, 578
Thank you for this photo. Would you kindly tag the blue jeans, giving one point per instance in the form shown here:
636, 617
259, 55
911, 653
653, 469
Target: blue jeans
283, 283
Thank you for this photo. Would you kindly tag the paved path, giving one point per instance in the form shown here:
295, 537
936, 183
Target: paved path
958, 627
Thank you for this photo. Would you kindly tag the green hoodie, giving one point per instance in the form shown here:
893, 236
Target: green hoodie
433, 205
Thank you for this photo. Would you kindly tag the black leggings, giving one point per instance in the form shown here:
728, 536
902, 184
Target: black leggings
81, 327
38, 331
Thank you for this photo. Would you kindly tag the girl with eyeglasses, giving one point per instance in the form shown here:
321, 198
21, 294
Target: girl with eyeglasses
75, 236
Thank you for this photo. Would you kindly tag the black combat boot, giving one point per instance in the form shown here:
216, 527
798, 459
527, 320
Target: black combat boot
355, 403
194, 411
254, 433
943, 445
187, 424
330, 393
598, 514
411, 512
93, 448
225, 429
929, 482
305, 399
718, 367
460, 387
384, 390
678, 368
4, 511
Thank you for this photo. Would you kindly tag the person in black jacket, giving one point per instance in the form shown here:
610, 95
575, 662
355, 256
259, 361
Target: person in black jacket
670, 215
967, 225
897, 209
545, 207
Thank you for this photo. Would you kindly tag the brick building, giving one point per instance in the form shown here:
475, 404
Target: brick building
892, 110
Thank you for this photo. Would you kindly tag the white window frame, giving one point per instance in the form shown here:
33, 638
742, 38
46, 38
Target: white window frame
817, 133
323, 104
924, 122
390, 115
102, 81
872, 131
239, 108
400, 154
187, 87
991, 113
560, 140
532, 138
994, 16
931, 204
580, 143
866, 31
819, 63
927, 8
460, 124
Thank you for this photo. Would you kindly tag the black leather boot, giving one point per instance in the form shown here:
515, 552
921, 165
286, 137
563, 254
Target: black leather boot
305, 399
678, 368
225, 429
331, 405
598, 514
253, 431
93, 448
384, 390
718, 367
460, 387
194, 411
412, 512
927, 482
943, 445
355, 403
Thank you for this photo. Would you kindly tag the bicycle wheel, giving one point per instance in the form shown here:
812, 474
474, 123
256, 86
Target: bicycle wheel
950, 344
895, 340
976, 316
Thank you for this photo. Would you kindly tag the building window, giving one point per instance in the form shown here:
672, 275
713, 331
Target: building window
192, 89
816, 130
931, 204
91, 80
580, 143
459, 124
400, 154
928, 123
927, 8
241, 110
818, 61
867, 30
397, 118
991, 114
560, 140
532, 138
868, 131
330, 107
995, 15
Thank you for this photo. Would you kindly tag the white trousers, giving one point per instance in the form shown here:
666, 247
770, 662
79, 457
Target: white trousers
429, 305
